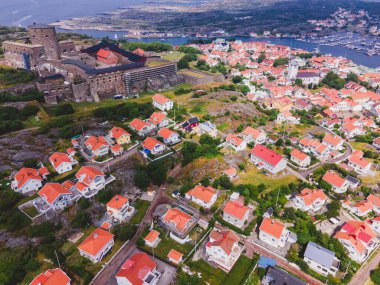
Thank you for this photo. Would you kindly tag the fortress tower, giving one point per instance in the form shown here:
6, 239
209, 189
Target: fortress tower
45, 35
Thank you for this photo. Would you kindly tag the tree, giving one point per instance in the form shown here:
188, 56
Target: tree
237, 79
351, 76
141, 179
333, 209
280, 61
334, 81
64, 109
375, 276
157, 171
244, 89
81, 220
124, 232
261, 57
182, 64
298, 82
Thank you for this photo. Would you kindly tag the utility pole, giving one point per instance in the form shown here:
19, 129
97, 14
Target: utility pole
59, 264
278, 194
347, 269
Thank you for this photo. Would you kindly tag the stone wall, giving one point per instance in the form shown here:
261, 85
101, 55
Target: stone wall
14, 53
81, 92
67, 48
103, 86
47, 37
204, 78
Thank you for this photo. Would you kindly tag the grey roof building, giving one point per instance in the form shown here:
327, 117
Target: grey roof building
277, 276
321, 259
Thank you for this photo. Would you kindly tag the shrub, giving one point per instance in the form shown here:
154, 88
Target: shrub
64, 109
81, 220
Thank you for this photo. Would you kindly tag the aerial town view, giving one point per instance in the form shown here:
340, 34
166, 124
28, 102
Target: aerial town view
190, 142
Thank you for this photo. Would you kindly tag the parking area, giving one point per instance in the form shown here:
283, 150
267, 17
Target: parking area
330, 226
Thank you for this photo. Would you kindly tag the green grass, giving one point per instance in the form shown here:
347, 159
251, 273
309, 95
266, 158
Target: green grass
192, 73
199, 108
167, 244
360, 146
253, 176
172, 55
239, 272
31, 211
141, 207
222, 127
155, 63
209, 274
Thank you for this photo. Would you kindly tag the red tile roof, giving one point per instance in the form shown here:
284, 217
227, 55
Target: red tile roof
160, 99
266, 154
117, 132
333, 178
272, 227
254, 133
51, 277
236, 209
157, 117
96, 241
175, 255
234, 140
165, 133
179, 218
224, 239
332, 140
57, 158
117, 202
136, 268
25, 174
309, 196
149, 143
95, 143
357, 233
152, 236
138, 124
202, 193
52, 191
87, 174
298, 154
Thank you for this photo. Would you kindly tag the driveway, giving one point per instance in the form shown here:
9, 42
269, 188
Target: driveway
167, 271
283, 263
106, 276
364, 272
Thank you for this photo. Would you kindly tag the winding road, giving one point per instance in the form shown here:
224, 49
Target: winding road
106, 276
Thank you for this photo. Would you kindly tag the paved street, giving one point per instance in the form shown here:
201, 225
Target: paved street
282, 263
363, 274
107, 275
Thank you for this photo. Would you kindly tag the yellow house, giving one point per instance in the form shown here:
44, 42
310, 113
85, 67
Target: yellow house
120, 135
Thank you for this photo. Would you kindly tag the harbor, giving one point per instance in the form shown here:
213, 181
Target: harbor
335, 48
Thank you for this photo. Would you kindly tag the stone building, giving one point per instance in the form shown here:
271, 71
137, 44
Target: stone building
46, 36
91, 74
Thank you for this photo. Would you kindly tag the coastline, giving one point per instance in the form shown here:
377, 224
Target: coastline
372, 62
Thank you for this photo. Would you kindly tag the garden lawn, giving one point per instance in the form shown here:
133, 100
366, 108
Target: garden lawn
167, 244
141, 207
31, 211
239, 271
360, 146
253, 176
172, 55
214, 276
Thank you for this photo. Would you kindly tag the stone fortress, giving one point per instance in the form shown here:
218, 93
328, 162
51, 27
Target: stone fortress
102, 71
